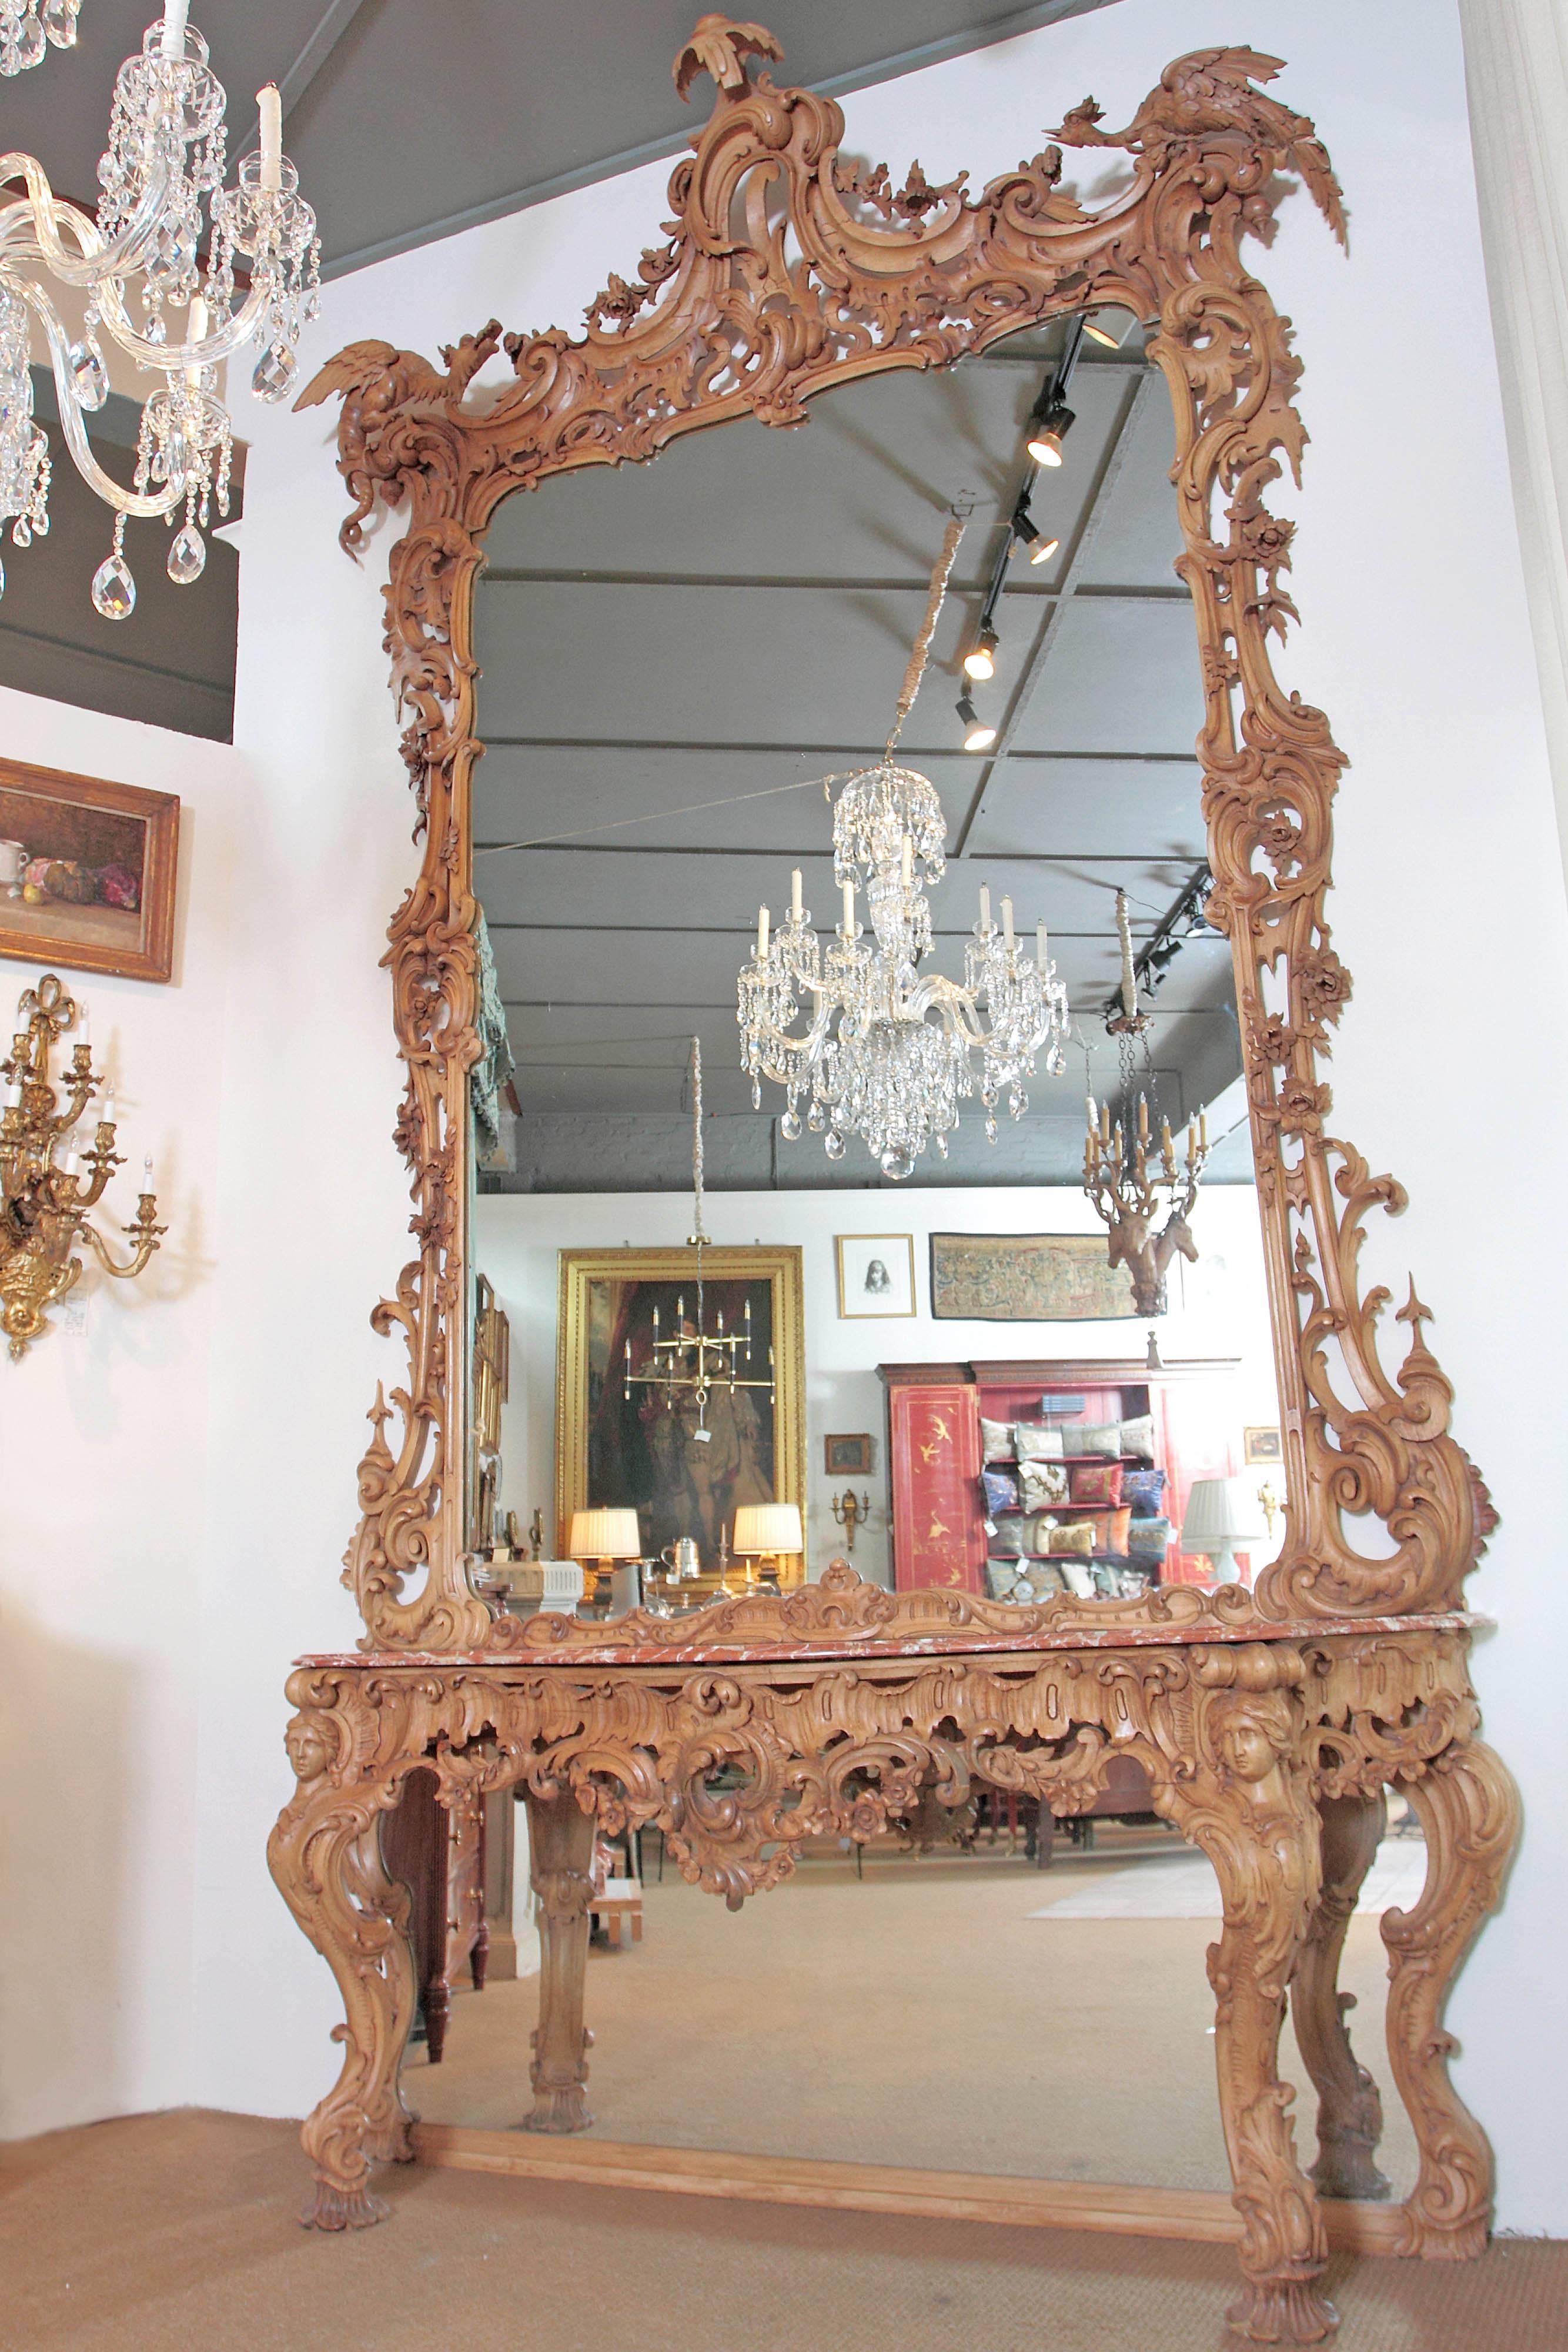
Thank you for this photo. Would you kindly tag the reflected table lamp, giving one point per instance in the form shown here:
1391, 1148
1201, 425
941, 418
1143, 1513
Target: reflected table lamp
604, 1537
771, 1533
1221, 1514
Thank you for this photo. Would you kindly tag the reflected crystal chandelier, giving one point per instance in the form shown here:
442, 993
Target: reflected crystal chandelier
691, 1360
164, 163
886, 1052
29, 28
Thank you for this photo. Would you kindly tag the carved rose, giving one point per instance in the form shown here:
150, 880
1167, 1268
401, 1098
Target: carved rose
1300, 1106
1274, 1041
1324, 981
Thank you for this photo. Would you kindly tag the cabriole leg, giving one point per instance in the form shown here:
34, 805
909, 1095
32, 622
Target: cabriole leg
1349, 2112
560, 1846
1468, 1808
326, 1858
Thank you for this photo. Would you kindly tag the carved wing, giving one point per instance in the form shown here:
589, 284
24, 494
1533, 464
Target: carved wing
717, 48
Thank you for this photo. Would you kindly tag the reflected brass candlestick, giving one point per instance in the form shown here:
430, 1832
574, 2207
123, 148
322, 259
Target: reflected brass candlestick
44, 1200
1125, 1187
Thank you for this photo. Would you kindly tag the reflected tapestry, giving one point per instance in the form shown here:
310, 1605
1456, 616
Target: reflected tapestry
1026, 1279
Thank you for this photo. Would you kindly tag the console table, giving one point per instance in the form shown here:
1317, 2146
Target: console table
1267, 1745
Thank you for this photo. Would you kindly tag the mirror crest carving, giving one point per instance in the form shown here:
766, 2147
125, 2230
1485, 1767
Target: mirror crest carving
721, 322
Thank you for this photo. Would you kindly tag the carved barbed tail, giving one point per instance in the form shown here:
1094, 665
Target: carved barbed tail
785, 271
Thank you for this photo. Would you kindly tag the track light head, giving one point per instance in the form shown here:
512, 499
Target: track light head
978, 736
1111, 327
1047, 433
981, 660
1039, 548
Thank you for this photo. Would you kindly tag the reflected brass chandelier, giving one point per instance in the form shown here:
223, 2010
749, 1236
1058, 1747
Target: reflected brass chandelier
163, 203
691, 1360
45, 1196
878, 1048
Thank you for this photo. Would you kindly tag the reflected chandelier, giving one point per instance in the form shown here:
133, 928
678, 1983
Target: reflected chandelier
164, 161
30, 27
888, 1052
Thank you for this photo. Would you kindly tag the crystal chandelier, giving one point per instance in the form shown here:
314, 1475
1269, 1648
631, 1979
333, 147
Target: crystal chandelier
886, 1052
28, 27
165, 161
694, 1362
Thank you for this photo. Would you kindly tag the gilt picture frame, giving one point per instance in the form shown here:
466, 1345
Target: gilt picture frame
642, 1453
88, 872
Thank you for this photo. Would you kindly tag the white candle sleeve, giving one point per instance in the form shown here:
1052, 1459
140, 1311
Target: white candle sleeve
173, 43
761, 931
1008, 921
849, 910
984, 908
271, 109
795, 896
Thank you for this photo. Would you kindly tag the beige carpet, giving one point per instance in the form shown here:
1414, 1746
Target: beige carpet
919, 2016
178, 2234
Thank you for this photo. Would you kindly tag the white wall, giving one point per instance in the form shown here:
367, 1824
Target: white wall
1223, 1311
1416, 641
103, 1447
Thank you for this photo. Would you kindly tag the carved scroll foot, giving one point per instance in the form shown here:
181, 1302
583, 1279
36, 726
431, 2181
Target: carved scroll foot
1249, 1805
560, 1843
325, 1857
1468, 1808
1349, 2112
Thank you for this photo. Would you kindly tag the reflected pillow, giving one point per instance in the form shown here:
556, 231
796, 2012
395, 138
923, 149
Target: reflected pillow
1001, 1578
1097, 1481
1144, 1491
1043, 1483
1007, 1537
997, 1440
1147, 1540
1138, 1437
1080, 1579
1077, 1538
1044, 1579
1034, 1442
1098, 1437
1113, 1536
1001, 1491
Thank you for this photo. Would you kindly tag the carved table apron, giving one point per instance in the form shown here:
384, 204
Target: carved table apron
1271, 1755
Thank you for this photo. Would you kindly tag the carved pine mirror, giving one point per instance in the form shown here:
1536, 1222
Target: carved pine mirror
789, 272
884, 349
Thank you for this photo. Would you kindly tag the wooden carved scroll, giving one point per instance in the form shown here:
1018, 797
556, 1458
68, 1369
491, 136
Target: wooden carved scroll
785, 271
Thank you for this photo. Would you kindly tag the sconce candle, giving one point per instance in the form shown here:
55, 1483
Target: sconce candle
44, 1199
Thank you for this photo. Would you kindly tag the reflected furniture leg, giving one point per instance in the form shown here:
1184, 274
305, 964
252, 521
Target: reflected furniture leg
1349, 2112
325, 1857
560, 1846
1468, 1808
1248, 1803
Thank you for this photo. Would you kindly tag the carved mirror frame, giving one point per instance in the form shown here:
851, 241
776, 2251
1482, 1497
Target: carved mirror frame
786, 271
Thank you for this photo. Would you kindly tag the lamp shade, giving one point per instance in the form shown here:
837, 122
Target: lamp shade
768, 1528
605, 1535
1221, 1512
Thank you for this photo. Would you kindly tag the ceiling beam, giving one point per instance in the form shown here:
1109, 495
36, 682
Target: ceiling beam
331, 26
1112, 469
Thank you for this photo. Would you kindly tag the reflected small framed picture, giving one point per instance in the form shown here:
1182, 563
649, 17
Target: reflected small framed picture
876, 1273
848, 1457
1261, 1445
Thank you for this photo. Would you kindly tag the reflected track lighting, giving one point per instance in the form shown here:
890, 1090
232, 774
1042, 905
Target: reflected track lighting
1039, 548
978, 736
981, 659
1049, 427
1111, 327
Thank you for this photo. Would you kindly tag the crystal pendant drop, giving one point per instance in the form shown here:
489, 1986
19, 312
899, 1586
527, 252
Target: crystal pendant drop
187, 556
30, 42
834, 1144
896, 1163
113, 589
790, 1126
816, 1119
2, 580
21, 535
59, 22
89, 374
274, 372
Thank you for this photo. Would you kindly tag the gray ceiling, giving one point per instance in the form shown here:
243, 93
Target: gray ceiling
408, 119
735, 618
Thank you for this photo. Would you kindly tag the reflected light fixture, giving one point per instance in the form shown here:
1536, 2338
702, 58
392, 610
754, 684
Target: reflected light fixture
1111, 327
978, 736
29, 28
980, 661
1039, 548
1048, 428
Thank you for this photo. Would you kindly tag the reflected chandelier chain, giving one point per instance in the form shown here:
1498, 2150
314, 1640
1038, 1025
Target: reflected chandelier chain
886, 1052
162, 205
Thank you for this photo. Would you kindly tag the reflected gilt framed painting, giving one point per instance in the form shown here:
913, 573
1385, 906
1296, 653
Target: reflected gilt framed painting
626, 1439
87, 871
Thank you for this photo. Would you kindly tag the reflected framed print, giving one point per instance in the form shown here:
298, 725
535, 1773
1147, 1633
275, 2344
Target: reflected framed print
876, 1275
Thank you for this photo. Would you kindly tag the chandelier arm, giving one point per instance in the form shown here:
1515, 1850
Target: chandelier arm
98, 257
146, 1243
139, 504
211, 349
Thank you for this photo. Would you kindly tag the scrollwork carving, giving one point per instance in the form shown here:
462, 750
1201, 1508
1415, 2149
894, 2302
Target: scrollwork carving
786, 270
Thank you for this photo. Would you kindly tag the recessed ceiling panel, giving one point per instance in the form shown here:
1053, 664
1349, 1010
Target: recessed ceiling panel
1104, 808
1123, 676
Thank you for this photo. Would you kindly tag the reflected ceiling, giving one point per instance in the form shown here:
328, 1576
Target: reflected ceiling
672, 654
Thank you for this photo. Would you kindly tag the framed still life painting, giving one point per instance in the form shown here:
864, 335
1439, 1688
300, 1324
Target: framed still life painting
626, 1440
86, 873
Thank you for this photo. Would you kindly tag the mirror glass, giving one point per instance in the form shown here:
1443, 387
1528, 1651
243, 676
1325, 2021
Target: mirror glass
673, 657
